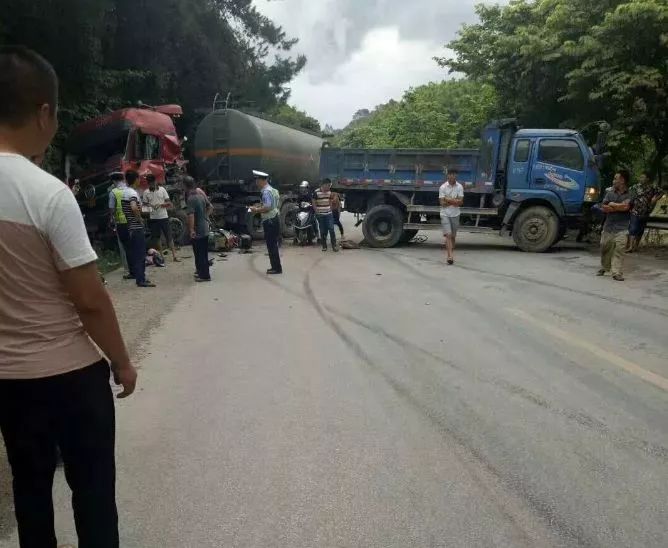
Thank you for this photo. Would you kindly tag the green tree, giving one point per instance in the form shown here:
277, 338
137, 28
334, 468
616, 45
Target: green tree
571, 62
290, 116
438, 115
113, 53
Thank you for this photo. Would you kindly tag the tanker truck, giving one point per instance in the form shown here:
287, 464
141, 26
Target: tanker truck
230, 144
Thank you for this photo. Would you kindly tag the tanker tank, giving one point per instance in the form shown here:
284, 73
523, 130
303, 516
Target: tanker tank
230, 144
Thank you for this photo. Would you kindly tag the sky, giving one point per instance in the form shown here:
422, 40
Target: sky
362, 53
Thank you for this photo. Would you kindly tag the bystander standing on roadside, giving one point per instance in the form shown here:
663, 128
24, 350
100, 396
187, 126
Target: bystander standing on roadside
336, 210
54, 386
198, 228
131, 205
617, 209
157, 198
322, 203
450, 197
644, 196
268, 210
118, 222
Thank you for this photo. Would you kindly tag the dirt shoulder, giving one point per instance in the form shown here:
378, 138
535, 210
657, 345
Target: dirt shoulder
139, 311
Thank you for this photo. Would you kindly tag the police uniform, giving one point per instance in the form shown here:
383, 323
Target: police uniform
271, 223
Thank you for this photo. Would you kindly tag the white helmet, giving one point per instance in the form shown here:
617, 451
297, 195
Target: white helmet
304, 185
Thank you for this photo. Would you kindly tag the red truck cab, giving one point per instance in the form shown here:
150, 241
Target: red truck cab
143, 139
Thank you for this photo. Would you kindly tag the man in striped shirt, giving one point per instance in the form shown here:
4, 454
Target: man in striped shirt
322, 203
131, 205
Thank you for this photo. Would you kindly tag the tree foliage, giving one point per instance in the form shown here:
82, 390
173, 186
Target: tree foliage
113, 53
572, 62
291, 116
448, 114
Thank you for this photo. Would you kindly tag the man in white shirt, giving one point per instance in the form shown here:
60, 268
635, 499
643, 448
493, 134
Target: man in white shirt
157, 198
54, 383
450, 197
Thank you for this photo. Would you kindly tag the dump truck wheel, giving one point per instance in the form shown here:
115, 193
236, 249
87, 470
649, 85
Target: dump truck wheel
535, 229
383, 226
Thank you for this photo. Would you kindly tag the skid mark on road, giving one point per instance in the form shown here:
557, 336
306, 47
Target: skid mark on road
574, 340
574, 415
490, 479
541, 283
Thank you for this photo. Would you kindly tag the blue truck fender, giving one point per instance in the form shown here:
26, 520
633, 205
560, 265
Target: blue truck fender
521, 198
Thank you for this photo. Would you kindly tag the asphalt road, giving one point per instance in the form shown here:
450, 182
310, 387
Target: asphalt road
383, 399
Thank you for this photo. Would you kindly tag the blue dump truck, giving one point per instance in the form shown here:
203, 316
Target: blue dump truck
533, 184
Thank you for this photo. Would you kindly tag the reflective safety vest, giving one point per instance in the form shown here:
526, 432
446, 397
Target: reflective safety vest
119, 216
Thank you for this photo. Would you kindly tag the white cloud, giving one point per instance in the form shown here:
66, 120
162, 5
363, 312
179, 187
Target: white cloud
362, 53
383, 68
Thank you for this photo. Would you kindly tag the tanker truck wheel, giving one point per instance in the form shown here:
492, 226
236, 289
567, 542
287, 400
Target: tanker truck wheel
254, 226
288, 218
383, 226
536, 229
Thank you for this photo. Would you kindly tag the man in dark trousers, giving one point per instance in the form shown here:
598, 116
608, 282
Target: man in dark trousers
54, 383
198, 228
131, 205
118, 222
322, 204
270, 219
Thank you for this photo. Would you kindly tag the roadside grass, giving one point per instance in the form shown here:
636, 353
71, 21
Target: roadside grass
108, 260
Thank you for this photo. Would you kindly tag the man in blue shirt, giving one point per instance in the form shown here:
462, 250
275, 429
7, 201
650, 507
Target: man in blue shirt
270, 220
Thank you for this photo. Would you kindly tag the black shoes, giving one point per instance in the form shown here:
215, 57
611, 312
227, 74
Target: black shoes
271, 271
147, 283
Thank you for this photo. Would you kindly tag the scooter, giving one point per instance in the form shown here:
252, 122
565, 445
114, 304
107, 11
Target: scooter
306, 226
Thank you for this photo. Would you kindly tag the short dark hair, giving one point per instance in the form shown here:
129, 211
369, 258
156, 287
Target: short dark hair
117, 176
453, 170
626, 174
27, 81
189, 182
131, 176
150, 177
326, 181
647, 173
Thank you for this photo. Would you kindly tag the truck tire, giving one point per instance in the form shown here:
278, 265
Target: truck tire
288, 218
408, 235
383, 226
254, 226
536, 229
178, 224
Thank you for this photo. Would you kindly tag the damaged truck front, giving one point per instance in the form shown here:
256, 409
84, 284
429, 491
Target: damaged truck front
142, 139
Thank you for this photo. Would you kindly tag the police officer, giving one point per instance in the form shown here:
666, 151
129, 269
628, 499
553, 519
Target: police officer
268, 209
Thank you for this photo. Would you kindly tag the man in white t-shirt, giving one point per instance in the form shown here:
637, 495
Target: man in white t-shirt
157, 198
450, 197
54, 383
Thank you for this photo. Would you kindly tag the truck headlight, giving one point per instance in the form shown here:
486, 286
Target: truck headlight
591, 194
